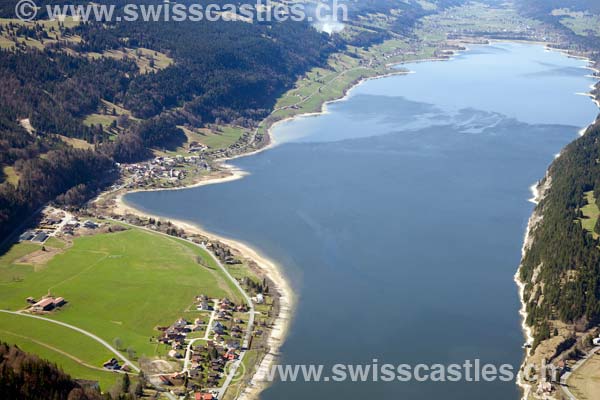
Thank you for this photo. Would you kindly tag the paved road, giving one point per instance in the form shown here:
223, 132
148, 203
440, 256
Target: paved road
82, 331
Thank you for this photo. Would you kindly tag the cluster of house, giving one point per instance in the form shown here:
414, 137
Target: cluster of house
176, 334
113, 365
55, 222
240, 146
178, 379
169, 168
210, 359
46, 227
70, 226
196, 147
207, 361
514, 28
47, 303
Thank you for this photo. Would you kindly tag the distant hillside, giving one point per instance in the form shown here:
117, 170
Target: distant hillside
121, 88
543, 7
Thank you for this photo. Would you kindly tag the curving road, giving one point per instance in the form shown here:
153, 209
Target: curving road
82, 331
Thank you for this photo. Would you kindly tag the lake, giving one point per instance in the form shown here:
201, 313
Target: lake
398, 216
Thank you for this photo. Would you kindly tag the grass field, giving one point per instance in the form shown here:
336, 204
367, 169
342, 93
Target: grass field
224, 137
99, 119
146, 60
104, 116
214, 138
118, 285
11, 175
591, 213
585, 381
56, 243
11, 272
76, 143
50, 27
80, 358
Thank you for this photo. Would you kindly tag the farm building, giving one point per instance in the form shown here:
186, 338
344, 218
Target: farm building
46, 304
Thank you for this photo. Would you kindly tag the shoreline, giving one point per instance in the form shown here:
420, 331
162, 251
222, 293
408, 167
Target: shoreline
287, 297
538, 191
269, 268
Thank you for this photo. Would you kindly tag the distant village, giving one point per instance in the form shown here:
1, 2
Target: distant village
169, 169
173, 169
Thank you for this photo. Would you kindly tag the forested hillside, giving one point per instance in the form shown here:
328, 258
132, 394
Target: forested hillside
151, 78
562, 267
230, 71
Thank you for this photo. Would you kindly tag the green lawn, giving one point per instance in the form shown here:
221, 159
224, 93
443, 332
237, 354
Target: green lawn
118, 285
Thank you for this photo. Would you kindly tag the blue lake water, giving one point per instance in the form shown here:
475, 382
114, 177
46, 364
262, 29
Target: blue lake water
399, 215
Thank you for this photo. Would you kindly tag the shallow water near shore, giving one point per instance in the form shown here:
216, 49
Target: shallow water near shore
398, 216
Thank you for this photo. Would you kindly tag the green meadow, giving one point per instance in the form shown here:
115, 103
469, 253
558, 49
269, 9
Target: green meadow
118, 285
590, 213
82, 358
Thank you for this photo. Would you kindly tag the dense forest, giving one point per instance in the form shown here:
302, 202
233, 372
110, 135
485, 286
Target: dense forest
232, 71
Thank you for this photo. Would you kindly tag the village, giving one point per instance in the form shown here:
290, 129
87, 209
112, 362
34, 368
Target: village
171, 168
207, 345
167, 169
